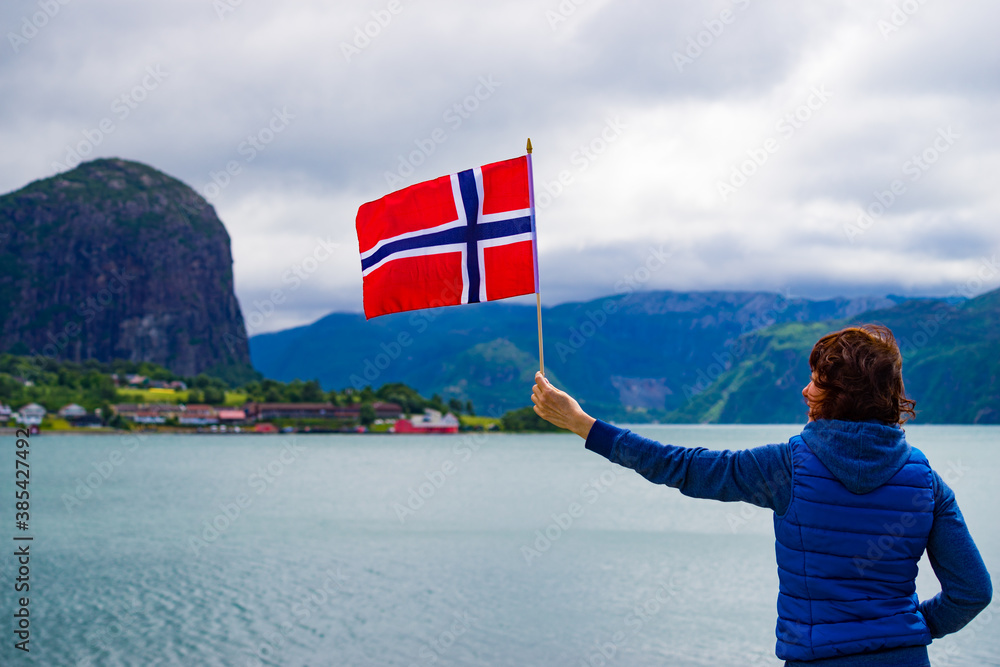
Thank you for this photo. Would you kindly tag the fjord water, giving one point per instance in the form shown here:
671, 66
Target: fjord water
416, 550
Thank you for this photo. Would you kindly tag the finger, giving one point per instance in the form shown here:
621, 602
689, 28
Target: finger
539, 381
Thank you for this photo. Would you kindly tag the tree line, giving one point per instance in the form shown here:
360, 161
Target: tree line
54, 383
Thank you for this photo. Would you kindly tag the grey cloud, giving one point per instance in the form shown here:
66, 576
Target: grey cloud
355, 120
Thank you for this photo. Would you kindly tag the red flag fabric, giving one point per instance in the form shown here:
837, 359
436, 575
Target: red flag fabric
463, 238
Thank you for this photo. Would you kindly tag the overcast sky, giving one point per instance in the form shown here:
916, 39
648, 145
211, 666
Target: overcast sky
746, 139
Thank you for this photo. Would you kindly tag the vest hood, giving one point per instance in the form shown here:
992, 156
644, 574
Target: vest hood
862, 455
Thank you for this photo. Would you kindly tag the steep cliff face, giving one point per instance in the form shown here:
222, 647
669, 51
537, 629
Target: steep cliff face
115, 259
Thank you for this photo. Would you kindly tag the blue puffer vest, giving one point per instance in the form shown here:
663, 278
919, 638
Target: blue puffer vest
847, 563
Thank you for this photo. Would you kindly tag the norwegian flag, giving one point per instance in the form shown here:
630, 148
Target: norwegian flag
463, 238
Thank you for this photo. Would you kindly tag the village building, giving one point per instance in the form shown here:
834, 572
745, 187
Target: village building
270, 411
387, 411
148, 417
78, 416
197, 415
155, 413
31, 414
431, 421
72, 411
232, 416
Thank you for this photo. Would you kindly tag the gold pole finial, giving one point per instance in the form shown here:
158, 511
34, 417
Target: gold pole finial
529, 145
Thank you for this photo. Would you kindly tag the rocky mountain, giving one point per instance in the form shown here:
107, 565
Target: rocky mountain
113, 260
637, 355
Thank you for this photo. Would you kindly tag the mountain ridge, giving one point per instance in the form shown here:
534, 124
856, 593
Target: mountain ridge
951, 365
638, 356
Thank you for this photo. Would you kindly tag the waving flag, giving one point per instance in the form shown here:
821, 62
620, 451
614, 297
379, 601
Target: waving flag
464, 238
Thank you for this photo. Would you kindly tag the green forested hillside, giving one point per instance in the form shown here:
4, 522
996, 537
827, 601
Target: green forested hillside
729, 357
951, 363
634, 356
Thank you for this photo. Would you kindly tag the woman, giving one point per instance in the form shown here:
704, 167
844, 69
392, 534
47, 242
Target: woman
854, 509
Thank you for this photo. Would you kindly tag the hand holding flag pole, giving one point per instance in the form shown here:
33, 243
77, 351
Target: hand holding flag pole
463, 238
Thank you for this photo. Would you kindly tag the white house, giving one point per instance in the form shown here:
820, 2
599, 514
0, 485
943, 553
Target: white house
72, 411
31, 414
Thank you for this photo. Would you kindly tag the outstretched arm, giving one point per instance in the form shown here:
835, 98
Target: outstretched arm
761, 476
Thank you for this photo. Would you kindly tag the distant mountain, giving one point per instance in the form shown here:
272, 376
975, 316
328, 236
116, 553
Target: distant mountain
630, 356
951, 365
116, 260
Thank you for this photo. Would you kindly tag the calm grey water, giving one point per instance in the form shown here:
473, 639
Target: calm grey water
513, 550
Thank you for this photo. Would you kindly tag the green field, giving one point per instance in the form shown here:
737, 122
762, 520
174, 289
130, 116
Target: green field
233, 398
473, 422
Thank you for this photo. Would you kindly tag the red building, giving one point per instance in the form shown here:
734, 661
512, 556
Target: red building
430, 422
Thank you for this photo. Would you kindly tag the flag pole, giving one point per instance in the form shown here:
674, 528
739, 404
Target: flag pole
534, 247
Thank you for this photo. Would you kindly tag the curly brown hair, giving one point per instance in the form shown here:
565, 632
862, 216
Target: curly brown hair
859, 371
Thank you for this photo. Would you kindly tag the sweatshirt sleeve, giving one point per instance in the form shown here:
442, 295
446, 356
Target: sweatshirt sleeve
966, 588
760, 476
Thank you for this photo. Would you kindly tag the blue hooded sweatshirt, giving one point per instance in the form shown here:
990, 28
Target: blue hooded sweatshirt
852, 458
